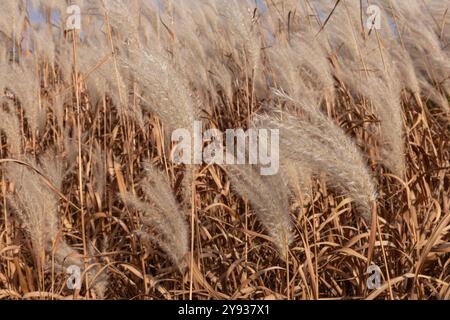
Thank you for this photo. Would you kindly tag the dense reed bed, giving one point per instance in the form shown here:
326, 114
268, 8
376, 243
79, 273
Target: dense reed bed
87, 171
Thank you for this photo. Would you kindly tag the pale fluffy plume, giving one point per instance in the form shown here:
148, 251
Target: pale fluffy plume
162, 90
239, 19
163, 221
384, 97
36, 204
318, 144
13, 15
24, 83
301, 67
11, 127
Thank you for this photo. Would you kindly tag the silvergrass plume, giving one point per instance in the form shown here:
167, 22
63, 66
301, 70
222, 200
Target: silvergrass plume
163, 221
317, 143
37, 207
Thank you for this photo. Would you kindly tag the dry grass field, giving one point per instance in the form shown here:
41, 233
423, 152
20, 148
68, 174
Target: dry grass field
359, 91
